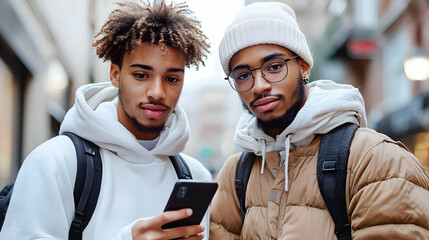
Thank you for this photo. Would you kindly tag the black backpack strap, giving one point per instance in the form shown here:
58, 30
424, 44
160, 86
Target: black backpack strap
242, 174
331, 175
5, 196
182, 169
87, 185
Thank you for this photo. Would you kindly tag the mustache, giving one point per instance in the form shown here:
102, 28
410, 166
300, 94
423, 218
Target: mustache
264, 96
141, 104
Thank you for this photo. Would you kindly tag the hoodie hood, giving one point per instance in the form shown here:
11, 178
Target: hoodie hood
328, 106
94, 117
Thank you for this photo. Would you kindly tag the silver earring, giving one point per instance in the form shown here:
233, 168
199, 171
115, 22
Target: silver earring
305, 80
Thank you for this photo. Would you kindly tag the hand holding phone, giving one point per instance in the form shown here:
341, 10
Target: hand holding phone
190, 194
151, 227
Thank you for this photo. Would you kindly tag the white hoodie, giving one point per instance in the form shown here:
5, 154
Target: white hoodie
328, 105
136, 183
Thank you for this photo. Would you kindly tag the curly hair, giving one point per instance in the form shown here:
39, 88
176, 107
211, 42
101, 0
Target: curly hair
166, 25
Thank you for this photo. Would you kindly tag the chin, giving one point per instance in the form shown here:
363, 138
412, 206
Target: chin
149, 128
266, 116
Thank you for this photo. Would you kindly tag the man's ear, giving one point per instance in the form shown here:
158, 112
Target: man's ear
305, 68
115, 71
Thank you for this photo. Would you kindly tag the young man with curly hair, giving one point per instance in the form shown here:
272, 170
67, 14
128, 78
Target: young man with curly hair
136, 122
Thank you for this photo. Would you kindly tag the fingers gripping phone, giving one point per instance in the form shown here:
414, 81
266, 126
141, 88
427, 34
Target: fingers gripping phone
190, 194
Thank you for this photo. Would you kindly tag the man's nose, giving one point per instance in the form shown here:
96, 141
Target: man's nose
260, 84
156, 89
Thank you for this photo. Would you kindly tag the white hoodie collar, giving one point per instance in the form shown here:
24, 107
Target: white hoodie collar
94, 117
328, 105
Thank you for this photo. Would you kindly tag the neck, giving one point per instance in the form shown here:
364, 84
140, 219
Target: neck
274, 132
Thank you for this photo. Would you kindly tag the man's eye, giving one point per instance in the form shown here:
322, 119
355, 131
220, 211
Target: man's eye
172, 80
275, 67
243, 77
140, 75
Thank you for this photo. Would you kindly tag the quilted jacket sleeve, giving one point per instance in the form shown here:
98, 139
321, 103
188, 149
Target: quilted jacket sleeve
225, 216
388, 190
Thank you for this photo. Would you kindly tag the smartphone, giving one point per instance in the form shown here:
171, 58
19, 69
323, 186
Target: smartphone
192, 194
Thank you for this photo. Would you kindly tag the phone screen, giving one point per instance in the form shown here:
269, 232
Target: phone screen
190, 194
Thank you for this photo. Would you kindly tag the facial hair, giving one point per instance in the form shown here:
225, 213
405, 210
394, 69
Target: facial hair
287, 118
140, 127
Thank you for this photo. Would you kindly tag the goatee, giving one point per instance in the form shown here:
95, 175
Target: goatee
140, 127
287, 118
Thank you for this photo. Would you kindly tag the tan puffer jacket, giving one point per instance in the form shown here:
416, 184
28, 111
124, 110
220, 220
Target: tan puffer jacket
387, 195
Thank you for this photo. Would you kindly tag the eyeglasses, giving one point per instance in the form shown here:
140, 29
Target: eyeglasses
274, 70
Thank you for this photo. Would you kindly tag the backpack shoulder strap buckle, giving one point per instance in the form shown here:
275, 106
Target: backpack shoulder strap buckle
329, 166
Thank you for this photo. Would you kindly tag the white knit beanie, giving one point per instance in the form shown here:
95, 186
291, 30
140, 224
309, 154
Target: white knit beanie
263, 23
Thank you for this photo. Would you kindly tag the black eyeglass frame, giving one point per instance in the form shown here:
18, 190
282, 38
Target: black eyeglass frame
263, 74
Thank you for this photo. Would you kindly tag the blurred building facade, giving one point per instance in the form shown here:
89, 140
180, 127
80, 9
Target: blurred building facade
46, 54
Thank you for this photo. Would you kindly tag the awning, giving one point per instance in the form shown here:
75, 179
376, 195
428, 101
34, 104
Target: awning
411, 118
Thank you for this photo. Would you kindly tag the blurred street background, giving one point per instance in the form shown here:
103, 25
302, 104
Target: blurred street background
379, 46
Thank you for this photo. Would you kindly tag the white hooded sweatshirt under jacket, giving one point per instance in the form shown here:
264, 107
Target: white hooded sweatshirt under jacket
136, 183
328, 106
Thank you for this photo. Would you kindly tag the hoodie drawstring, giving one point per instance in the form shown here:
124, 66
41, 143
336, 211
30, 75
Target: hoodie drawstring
286, 162
263, 156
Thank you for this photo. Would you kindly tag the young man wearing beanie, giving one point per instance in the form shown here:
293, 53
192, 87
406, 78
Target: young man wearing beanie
267, 61
136, 122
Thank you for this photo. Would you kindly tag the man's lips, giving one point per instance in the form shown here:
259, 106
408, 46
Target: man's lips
266, 103
154, 110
